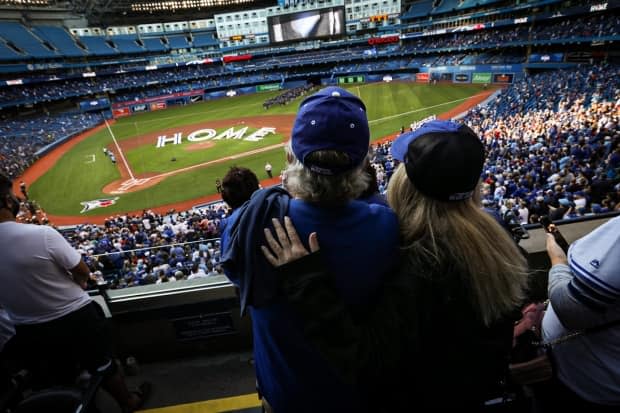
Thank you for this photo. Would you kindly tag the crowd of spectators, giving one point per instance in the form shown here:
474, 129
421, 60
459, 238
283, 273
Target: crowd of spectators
21, 138
151, 248
288, 96
126, 86
553, 146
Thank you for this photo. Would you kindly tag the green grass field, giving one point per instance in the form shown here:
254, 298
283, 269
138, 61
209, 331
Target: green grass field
74, 178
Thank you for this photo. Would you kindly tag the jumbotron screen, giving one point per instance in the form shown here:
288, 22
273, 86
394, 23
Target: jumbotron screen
307, 25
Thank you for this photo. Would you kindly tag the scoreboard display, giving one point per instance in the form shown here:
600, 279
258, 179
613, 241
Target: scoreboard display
343, 80
378, 18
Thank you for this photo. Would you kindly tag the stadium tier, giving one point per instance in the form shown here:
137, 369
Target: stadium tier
127, 125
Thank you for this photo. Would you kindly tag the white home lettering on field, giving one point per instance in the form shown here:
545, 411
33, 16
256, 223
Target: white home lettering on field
206, 134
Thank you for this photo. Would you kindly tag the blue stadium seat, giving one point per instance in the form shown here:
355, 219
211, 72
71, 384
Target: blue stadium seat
419, 9
127, 44
178, 42
154, 44
446, 6
468, 4
22, 38
204, 39
60, 39
6, 53
97, 46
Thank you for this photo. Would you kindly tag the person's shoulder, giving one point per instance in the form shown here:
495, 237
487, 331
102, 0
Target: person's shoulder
376, 211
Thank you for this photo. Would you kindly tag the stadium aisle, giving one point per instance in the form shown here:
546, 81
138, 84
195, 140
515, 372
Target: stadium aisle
205, 384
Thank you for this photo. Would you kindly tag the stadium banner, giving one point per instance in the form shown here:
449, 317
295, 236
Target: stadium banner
177, 101
383, 40
461, 78
443, 77
142, 107
196, 98
343, 80
268, 87
94, 105
546, 58
120, 112
503, 78
159, 98
481, 78
422, 77
158, 106
236, 58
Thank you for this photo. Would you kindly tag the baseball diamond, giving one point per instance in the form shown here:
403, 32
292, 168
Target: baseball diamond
155, 156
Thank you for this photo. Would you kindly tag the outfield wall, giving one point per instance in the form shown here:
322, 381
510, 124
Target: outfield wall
463, 74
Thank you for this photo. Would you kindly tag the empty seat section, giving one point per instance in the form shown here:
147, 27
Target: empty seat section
97, 45
178, 42
154, 44
446, 6
204, 39
419, 9
467, 4
127, 44
6, 53
23, 39
60, 39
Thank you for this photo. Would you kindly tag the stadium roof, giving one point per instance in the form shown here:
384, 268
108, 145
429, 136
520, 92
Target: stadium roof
121, 12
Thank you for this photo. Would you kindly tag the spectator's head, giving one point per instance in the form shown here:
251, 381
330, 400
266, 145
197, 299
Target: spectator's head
8, 200
435, 194
373, 186
238, 186
328, 147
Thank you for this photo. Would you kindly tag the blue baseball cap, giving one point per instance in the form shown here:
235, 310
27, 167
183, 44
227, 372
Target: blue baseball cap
443, 159
331, 119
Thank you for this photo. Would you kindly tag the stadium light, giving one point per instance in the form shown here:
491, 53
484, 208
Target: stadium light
25, 2
180, 4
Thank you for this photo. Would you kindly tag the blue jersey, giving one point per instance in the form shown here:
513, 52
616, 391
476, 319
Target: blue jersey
359, 243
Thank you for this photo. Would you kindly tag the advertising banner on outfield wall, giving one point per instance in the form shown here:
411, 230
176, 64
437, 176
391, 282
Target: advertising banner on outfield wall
422, 77
159, 98
142, 107
158, 106
503, 78
461, 78
268, 87
119, 113
546, 58
481, 78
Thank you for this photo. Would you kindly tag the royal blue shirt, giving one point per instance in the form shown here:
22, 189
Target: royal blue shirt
359, 243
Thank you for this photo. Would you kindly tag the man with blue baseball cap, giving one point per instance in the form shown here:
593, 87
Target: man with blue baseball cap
584, 295
324, 177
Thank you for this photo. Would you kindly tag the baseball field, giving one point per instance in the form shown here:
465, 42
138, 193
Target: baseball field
172, 157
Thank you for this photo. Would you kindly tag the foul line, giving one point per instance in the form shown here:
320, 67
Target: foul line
120, 152
227, 158
423, 109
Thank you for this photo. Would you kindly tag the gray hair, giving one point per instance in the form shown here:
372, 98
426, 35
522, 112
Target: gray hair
326, 190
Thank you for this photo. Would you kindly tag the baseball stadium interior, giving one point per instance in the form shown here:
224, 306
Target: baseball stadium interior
549, 71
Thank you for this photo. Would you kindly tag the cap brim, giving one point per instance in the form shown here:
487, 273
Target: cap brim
401, 145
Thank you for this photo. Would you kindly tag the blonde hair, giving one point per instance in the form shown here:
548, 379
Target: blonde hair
462, 234
326, 190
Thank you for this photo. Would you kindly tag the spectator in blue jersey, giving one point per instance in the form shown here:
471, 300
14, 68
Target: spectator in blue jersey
324, 177
439, 336
584, 294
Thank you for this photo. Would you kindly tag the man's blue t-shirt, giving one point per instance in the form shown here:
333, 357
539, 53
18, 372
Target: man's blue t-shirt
359, 243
